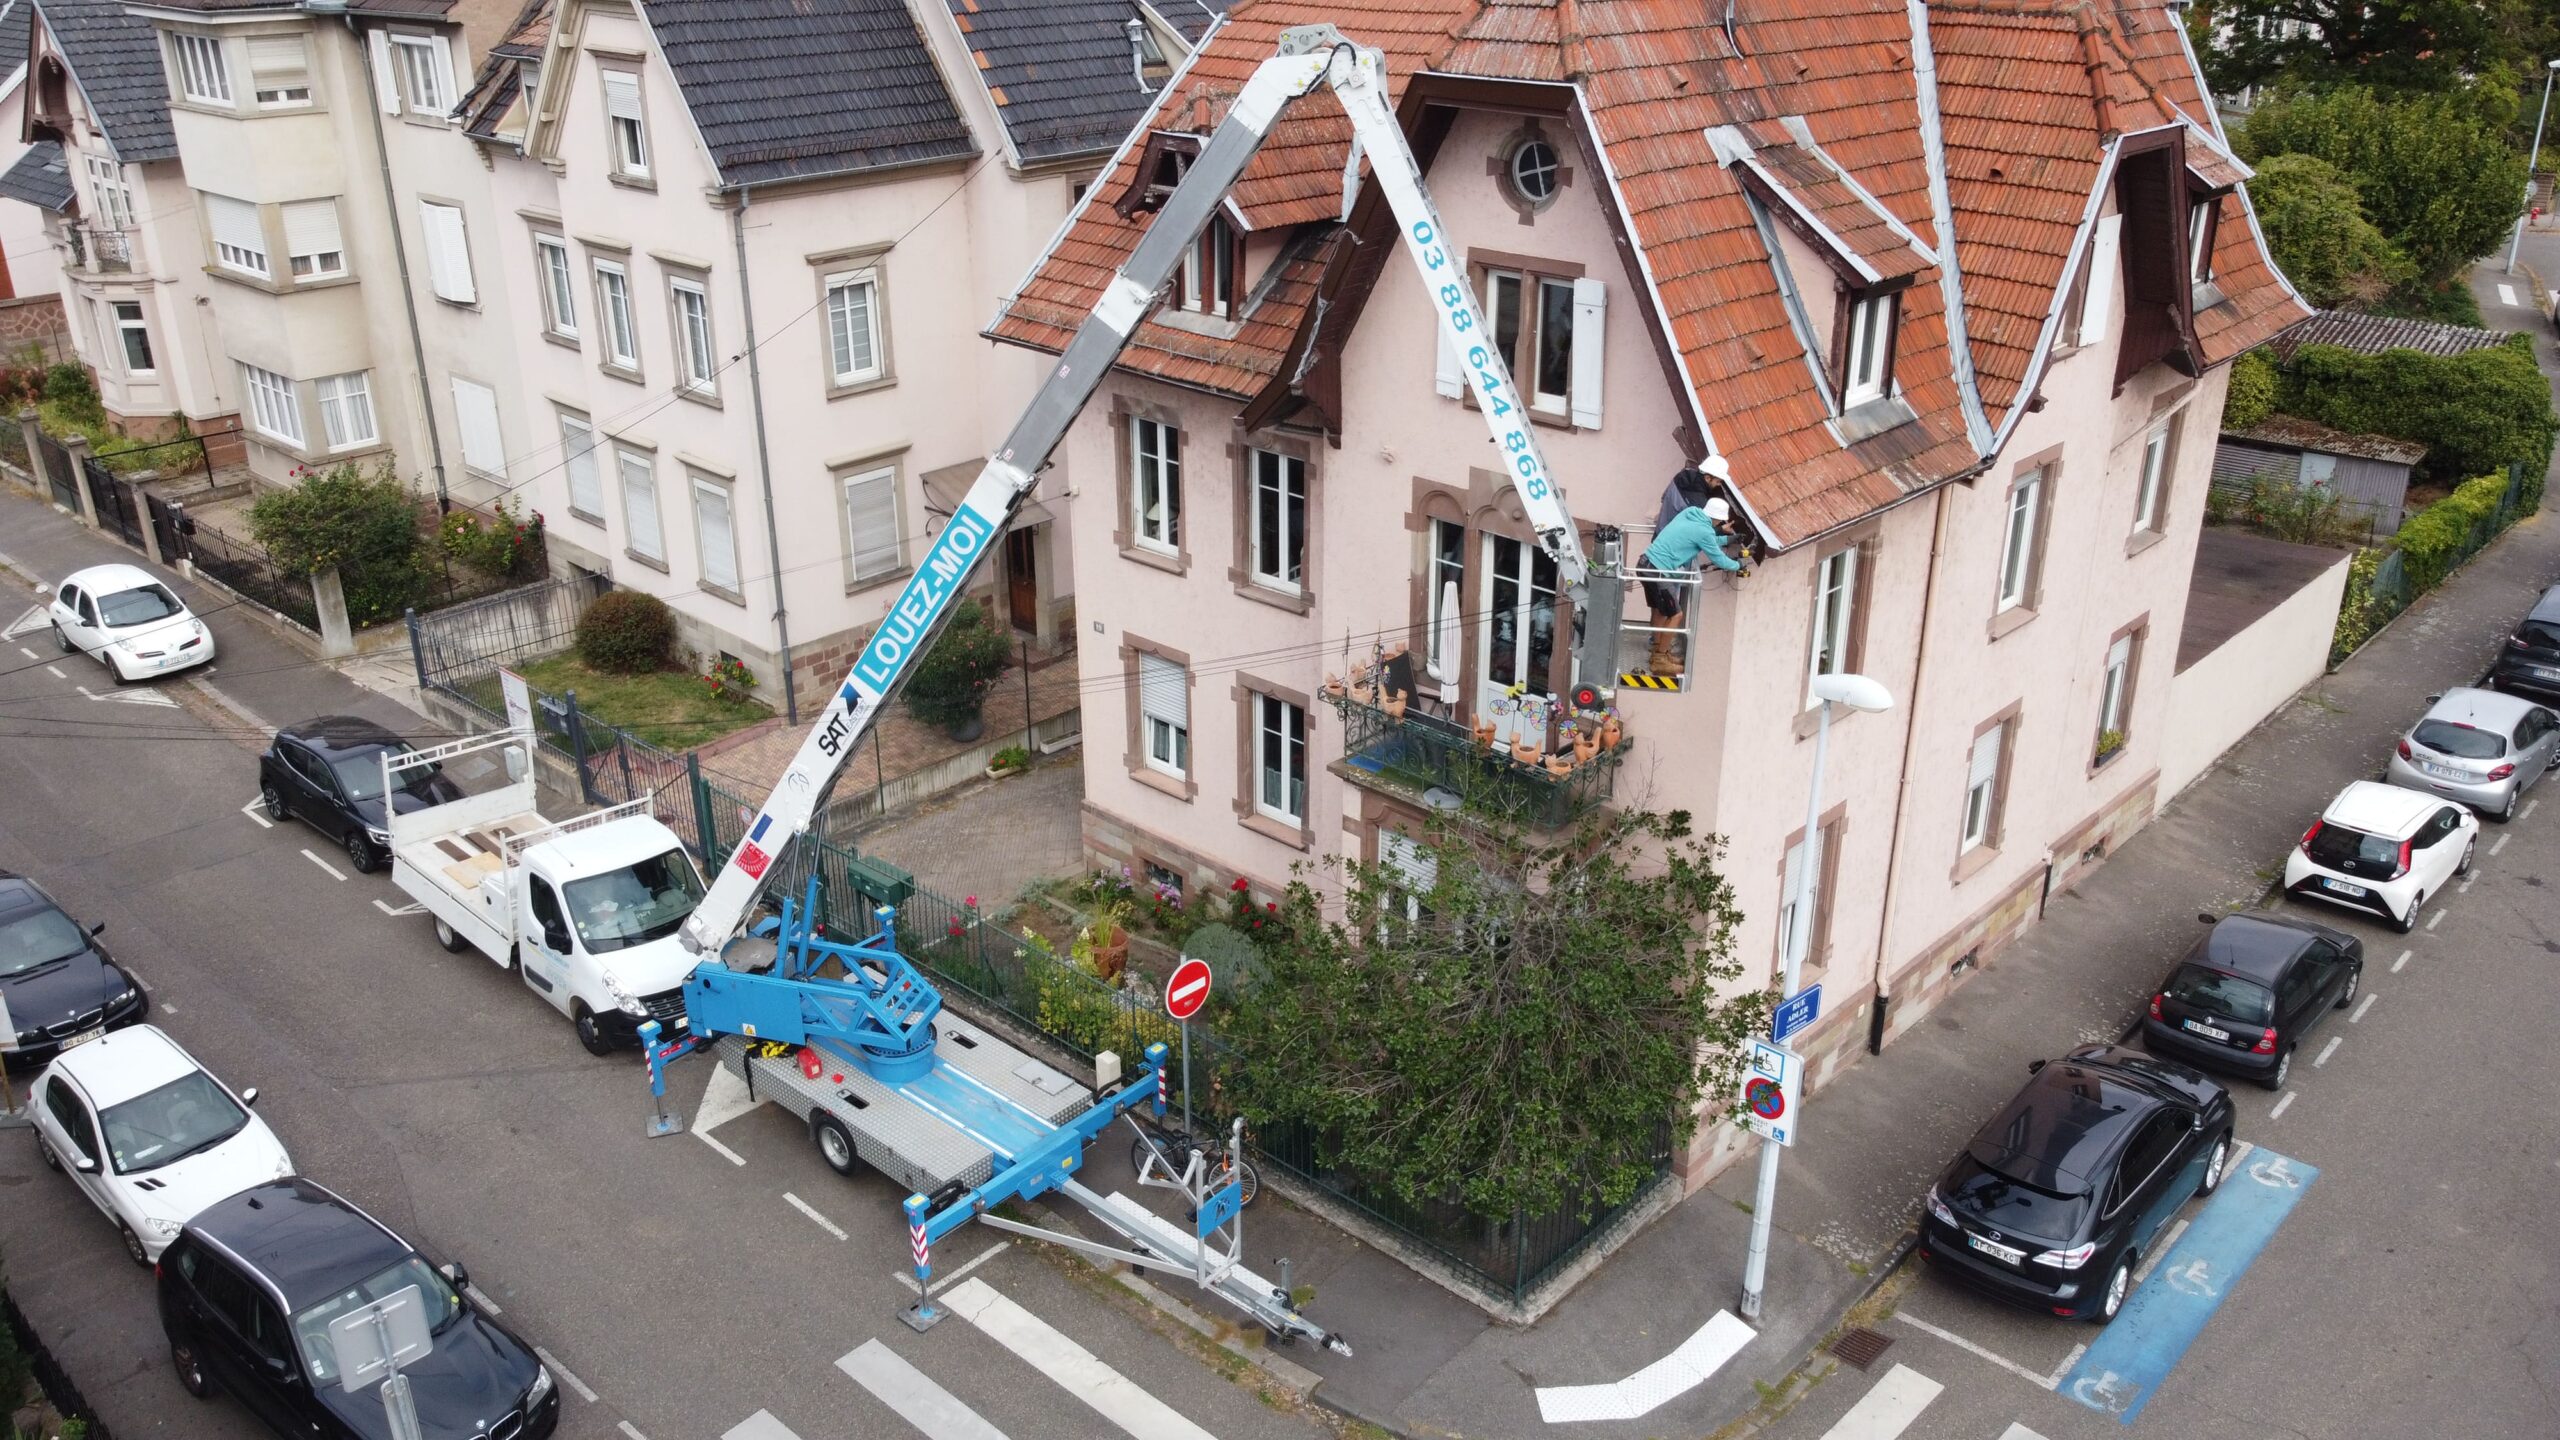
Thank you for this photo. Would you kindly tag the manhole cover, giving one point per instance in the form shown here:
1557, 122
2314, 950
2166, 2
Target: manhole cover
1860, 1346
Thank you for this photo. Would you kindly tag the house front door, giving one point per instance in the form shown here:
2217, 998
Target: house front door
1517, 642
1022, 579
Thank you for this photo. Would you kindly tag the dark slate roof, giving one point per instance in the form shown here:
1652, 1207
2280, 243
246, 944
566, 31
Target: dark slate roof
1058, 70
781, 89
1191, 17
2373, 334
40, 178
116, 63
13, 34
411, 9
501, 80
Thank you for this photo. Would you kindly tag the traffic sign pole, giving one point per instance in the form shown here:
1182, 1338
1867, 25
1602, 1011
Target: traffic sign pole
1185, 992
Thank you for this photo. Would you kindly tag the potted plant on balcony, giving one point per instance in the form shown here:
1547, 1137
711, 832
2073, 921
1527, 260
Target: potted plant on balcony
2109, 742
1102, 946
953, 679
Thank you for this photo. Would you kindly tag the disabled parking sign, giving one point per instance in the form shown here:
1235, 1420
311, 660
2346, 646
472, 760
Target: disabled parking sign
1771, 1077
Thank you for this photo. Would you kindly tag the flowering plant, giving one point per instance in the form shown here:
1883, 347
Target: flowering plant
729, 680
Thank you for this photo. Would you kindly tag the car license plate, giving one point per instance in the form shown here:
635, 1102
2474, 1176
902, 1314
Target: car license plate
2343, 888
85, 1036
1998, 1252
2443, 772
2207, 1031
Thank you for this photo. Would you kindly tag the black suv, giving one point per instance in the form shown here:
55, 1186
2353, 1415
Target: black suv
2248, 992
2529, 663
247, 1292
328, 772
2054, 1202
55, 978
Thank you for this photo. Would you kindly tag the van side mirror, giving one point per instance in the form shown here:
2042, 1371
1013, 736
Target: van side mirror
2034, 1065
84, 1164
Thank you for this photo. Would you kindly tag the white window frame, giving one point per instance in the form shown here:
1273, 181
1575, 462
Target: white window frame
585, 474
856, 572
1868, 372
1535, 295
347, 421
231, 254
202, 71
1164, 715
627, 134
559, 285
325, 263
701, 489
2155, 464
107, 187
126, 330
1155, 474
1212, 270
1274, 721
2018, 540
2200, 214
291, 87
697, 362
842, 363
1982, 788
1806, 851
2115, 687
1269, 552
1440, 571
626, 461
274, 410
613, 305
1835, 609
423, 65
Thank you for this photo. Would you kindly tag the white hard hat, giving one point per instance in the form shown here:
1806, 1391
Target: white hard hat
1715, 467
1718, 511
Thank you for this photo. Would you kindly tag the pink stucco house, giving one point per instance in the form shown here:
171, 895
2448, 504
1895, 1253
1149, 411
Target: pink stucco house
1952, 289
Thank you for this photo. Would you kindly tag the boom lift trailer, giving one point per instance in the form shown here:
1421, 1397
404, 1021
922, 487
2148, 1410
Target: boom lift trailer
914, 1088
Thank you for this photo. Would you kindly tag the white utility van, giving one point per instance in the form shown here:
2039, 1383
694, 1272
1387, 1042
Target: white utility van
586, 909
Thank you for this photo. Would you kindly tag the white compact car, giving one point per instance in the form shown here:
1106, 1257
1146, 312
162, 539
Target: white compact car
129, 621
149, 1135
2383, 849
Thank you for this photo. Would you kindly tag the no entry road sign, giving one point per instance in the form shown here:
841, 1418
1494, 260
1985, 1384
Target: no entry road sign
1188, 990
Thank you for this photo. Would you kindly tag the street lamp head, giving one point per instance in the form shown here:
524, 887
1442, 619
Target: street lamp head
1855, 691
2551, 64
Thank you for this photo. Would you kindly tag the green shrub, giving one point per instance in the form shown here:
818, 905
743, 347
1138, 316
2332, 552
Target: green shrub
68, 386
2252, 396
511, 544
952, 680
362, 523
2440, 537
2474, 413
2360, 611
627, 633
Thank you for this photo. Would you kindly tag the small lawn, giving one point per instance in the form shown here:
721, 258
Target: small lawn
668, 708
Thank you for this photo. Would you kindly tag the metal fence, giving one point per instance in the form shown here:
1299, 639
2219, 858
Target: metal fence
54, 1380
248, 571
2379, 586
469, 643
59, 472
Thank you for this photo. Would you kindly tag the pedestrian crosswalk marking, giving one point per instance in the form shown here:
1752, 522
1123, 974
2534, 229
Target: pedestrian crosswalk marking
1070, 1365
1888, 1409
932, 1410
1668, 1378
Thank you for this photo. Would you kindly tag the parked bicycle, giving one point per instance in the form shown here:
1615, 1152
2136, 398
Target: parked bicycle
1173, 1150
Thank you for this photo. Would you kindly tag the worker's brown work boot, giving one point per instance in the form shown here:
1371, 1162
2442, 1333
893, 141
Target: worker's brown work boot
1665, 659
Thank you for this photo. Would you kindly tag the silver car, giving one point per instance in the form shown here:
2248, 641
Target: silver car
2479, 747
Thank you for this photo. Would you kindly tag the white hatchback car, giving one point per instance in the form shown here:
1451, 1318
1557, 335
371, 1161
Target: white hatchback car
132, 624
149, 1135
2383, 849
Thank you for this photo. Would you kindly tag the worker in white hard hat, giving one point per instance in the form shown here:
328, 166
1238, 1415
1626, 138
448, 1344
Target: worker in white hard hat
1700, 531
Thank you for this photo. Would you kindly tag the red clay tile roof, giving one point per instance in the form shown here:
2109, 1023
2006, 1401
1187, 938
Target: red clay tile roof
2031, 93
1806, 178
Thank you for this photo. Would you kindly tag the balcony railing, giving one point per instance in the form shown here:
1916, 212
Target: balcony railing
101, 250
1441, 763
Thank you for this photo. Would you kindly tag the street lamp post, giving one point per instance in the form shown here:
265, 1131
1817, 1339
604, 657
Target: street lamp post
2549, 68
1858, 693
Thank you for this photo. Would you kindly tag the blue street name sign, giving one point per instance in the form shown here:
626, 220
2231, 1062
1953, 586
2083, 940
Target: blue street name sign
1795, 1013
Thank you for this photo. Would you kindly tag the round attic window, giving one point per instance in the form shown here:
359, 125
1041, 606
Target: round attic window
1534, 171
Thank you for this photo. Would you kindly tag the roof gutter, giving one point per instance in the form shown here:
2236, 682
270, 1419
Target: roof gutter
764, 455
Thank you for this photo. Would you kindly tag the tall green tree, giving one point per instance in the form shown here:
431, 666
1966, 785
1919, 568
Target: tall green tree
2314, 222
2413, 46
2435, 173
1518, 1033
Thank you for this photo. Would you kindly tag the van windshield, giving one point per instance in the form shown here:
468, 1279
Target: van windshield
636, 905
2353, 852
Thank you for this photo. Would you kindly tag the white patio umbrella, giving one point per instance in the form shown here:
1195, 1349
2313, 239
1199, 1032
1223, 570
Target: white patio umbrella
1444, 645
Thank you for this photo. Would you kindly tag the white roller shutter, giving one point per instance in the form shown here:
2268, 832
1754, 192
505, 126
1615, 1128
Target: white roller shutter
586, 488
871, 520
311, 228
1986, 758
640, 506
718, 535
475, 410
1444, 372
1590, 314
1164, 690
2101, 290
386, 84
235, 223
1416, 866
622, 95
448, 253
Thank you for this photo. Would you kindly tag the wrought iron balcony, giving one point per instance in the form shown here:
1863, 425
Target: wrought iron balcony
101, 250
1442, 764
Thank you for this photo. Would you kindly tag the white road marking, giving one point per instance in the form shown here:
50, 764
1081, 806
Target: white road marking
2283, 1102
1675, 1374
2017, 1431
127, 697
723, 1100
934, 1411
2507, 295
734, 1157
2054, 1381
2435, 920
805, 1208
631, 1430
759, 1426
1961, 1343
323, 864
1888, 1409
30, 654
483, 1300
395, 911
35, 618
561, 1373
251, 810
2328, 1050
908, 1279
1071, 1366
2527, 812
2167, 1243
2403, 960
2362, 1006
56, 672
2501, 842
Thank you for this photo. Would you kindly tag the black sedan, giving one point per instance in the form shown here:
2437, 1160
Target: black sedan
2250, 990
328, 772
2054, 1203
55, 978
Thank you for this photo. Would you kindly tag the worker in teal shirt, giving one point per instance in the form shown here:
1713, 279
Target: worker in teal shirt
1699, 531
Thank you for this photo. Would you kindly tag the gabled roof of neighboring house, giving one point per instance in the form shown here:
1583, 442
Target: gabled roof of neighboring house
426, 9
495, 89
1059, 71
2295, 433
2373, 334
1190, 18
41, 177
115, 60
15, 16
787, 89
2021, 127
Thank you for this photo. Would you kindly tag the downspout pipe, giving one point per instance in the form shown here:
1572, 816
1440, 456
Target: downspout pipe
1902, 789
764, 455
399, 251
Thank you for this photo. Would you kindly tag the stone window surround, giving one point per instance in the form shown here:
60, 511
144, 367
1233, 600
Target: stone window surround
844, 467
1488, 505
677, 270
635, 65
2165, 409
874, 258
1531, 269
1497, 166
695, 470
1867, 537
1995, 829
612, 445
616, 253
1241, 573
1124, 408
1817, 955
415, 34
2048, 461
2139, 629
1248, 780
244, 81
1134, 755
598, 450
279, 279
